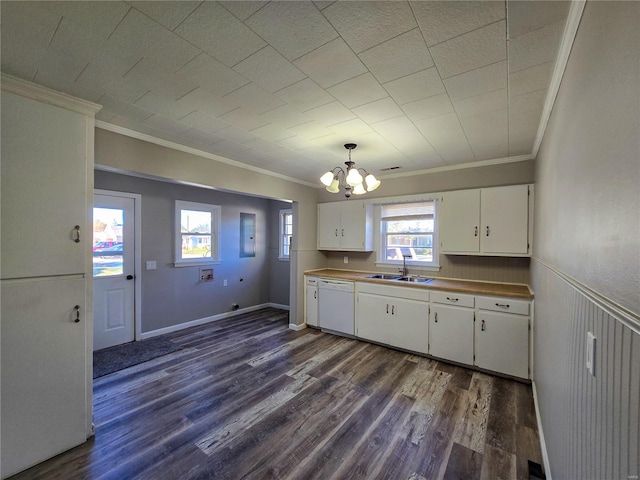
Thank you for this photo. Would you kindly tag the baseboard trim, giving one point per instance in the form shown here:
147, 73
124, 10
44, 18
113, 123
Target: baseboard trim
212, 318
543, 444
297, 328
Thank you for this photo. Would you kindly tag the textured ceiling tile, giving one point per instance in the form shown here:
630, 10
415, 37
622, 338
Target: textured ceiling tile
331, 63
167, 108
272, 132
229, 149
211, 74
358, 91
486, 102
441, 21
295, 143
446, 136
428, 107
530, 79
67, 85
330, 113
473, 50
161, 81
197, 138
482, 80
389, 128
415, 86
169, 14
123, 109
524, 118
201, 99
27, 22
166, 124
243, 9
254, 98
366, 24
203, 121
488, 134
131, 124
285, 116
305, 95
100, 18
322, 4
525, 17
535, 48
262, 145
279, 22
236, 134
351, 128
244, 118
212, 28
400, 56
311, 130
413, 144
106, 77
139, 34
269, 69
378, 110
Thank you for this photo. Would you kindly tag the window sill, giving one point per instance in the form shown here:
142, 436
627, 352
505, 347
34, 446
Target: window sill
283, 259
412, 265
196, 264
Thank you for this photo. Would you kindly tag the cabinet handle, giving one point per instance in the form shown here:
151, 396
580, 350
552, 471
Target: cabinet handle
482, 326
76, 231
436, 317
315, 294
343, 232
387, 308
77, 309
502, 305
336, 232
393, 309
451, 299
475, 234
487, 230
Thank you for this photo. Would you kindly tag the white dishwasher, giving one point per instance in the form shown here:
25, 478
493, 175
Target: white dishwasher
336, 305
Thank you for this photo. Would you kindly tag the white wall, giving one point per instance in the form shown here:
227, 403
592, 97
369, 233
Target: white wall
586, 265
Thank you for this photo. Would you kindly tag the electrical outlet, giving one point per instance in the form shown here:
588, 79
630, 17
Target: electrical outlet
224, 283
591, 353
346, 259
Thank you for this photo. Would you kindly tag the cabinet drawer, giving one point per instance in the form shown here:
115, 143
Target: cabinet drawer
312, 281
453, 298
412, 293
498, 304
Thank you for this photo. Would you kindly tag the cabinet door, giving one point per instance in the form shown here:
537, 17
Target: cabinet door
502, 343
44, 178
353, 226
373, 317
410, 325
44, 402
505, 220
329, 226
451, 333
459, 221
312, 306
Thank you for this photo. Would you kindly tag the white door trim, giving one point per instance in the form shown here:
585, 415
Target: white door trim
137, 202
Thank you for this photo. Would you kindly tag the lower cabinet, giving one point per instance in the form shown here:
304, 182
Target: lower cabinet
451, 333
311, 301
384, 316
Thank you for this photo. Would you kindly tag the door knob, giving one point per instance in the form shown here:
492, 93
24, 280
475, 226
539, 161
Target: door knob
130, 277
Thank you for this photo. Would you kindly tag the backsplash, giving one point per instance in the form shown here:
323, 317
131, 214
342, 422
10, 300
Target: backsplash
490, 269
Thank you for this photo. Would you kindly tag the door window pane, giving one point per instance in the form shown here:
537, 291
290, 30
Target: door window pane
108, 245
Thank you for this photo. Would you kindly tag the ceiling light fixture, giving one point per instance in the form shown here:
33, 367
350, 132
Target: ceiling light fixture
350, 179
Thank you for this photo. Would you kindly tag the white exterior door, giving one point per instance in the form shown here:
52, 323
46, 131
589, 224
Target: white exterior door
113, 270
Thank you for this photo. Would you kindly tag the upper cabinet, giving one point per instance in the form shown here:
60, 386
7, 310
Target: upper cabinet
345, 226
488, 221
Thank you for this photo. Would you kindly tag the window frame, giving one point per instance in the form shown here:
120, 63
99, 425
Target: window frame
216, 214
380, 235
281, 234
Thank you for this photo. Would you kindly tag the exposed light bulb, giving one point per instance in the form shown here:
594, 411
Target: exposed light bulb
354, 178
372, 182
327, 178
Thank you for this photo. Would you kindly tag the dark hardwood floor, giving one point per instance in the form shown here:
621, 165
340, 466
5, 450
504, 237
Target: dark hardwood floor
248, 398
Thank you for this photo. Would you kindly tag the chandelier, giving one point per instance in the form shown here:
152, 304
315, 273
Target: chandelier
350, 179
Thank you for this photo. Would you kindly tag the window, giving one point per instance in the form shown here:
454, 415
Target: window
197, 235
286, 233
408, 230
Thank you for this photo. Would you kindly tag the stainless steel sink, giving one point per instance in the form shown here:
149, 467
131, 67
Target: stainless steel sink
384, 276
414, 279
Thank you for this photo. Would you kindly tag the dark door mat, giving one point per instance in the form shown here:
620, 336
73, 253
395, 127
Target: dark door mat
112, 359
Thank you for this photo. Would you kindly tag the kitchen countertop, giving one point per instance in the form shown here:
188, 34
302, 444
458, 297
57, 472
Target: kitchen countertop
450, 284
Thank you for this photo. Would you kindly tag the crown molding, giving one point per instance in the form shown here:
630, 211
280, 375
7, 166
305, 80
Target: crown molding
194, 151
42, 94
568, 36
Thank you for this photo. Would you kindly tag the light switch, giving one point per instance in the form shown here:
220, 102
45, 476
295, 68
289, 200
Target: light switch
591, 353
151, 264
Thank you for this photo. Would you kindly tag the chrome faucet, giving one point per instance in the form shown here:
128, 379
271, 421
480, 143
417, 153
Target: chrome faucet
405, 270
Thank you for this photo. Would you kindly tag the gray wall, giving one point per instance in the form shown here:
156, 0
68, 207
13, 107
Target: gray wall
586, 264
170, 295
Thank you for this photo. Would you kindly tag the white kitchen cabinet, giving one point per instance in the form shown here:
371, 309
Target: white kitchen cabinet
47, 195
502, 339
311, 301
395, 316
346, 226
451, 326
487, 221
